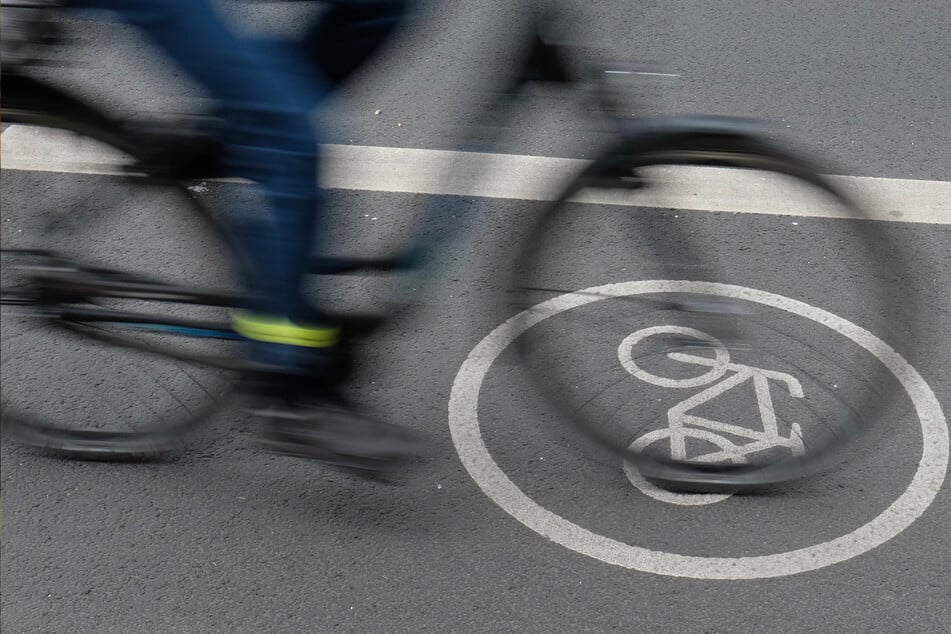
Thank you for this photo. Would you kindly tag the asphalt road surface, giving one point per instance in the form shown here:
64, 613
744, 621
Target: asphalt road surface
511, 524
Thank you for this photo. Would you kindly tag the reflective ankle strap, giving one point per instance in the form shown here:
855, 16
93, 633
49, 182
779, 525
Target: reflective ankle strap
280, 330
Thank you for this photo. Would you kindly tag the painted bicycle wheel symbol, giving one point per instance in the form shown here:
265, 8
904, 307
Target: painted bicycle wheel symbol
719, 375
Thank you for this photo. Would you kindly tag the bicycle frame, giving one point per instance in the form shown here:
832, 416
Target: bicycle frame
27, 100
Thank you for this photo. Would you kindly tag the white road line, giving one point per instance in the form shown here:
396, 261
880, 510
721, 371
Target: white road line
536, 178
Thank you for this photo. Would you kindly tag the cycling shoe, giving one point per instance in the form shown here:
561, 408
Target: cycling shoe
336, 435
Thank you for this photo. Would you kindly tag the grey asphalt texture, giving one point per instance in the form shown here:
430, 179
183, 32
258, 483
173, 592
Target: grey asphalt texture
229, 538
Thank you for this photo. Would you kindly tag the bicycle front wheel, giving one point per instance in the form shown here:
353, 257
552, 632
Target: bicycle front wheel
716, 351
102, 316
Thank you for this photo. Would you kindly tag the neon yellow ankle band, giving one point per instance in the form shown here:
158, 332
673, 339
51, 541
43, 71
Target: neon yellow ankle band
280, 330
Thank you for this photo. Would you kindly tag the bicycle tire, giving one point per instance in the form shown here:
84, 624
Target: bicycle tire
155, 399
838, 415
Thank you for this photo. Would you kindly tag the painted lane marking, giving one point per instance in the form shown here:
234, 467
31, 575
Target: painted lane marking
917, 497
520, 177
683, 425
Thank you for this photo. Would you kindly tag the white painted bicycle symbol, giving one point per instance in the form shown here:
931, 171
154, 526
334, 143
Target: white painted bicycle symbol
721, 375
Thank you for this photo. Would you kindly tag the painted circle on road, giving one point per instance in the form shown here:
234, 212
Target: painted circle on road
467, 438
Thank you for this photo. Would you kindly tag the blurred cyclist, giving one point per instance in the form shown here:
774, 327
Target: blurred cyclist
265, 92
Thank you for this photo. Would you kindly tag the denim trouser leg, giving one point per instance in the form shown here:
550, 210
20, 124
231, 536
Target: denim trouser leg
266, 96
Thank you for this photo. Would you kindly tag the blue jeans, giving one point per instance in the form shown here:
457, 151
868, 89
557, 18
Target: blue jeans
266, 93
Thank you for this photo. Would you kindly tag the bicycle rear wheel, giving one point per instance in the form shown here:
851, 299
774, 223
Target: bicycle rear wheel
697, 349
102, 266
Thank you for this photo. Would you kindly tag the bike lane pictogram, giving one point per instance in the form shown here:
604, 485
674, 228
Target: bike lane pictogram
499, 486
721, 377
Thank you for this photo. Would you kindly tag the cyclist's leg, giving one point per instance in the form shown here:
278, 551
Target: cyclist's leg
266, 102
266, 96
